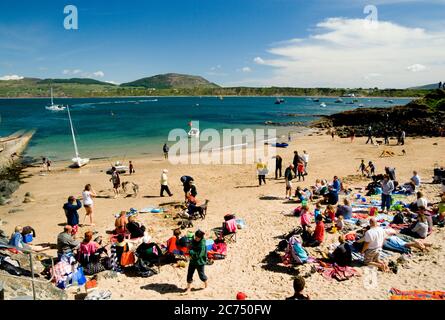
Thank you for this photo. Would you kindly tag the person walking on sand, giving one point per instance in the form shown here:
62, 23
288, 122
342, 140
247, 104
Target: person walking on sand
261, 168
369, 132
131, 167
278, 166
116, 180
165, 149
402, 137
300, 170
386, 136
186, 184
198, 260
44, 164
352, 134
87, 194
332, 133
295, 162
288, 176
289, 137
164, 183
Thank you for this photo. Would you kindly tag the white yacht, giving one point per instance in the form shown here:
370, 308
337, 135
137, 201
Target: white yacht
54, 107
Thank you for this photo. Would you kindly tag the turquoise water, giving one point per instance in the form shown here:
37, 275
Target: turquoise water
141, 125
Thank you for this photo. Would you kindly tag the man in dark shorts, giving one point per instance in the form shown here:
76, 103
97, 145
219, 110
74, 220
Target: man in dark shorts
278, 165
166, 149
116, 180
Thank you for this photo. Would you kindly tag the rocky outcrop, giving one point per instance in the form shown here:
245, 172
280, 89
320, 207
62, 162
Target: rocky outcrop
421, 117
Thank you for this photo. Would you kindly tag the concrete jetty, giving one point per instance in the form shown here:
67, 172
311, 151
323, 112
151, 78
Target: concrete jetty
12, 146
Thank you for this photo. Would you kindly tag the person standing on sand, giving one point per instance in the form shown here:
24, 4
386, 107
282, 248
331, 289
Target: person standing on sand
386, 136
288, 176
352, 134
305, 160
165, 149
261, 168
402, 137
116, 180
131, 167
186, 185
332, 133
164, 183
87, 195
300, 170
289, 138
198, 260
278, 166
369, 132
387, 189
295, 162
71, 214
48, 165
44, 163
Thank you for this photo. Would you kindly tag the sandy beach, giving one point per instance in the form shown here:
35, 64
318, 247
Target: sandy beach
234, 189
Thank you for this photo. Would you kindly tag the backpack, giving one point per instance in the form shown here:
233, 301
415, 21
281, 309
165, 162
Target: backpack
398, 218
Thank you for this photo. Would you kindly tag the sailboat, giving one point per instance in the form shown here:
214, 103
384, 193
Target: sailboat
77, 160
54, 107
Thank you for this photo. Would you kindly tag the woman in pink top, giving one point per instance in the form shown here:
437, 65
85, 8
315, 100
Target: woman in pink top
305, 218
87, 248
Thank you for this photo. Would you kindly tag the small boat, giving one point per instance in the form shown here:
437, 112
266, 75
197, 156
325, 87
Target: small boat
315, 99
197, 105
350, 102
78, 162
389, 101
361, 105
54, 107
119, 168
339, 100
221, 98
193, 133
279, 101
280, 145
323, 105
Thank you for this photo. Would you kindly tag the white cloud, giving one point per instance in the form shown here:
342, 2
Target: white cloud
11, 77
258, 60
112, 82
416, 67
79, 72
246, 69
347, 53
99, 74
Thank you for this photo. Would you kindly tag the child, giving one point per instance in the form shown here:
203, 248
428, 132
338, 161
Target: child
299, 284
131, 167
340, 223
317, 210
329, 214
362, 168
305, 218
318, 236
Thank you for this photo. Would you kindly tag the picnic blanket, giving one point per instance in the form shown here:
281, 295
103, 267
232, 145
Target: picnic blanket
334, 271
397, 294
151, 210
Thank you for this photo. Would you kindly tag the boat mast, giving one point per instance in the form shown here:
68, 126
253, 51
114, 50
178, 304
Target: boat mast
72, 132
52, 102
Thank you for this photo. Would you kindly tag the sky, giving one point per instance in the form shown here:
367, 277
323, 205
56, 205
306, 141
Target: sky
297, 43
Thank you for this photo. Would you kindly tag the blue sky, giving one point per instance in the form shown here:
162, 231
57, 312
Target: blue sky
230, 42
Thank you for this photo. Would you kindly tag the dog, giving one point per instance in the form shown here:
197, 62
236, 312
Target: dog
135, 187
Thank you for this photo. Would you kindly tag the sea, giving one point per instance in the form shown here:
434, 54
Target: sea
118, 128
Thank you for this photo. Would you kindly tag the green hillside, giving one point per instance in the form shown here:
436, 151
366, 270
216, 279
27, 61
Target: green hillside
170, 81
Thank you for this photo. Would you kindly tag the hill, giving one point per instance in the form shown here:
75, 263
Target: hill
171, 81
75, 80
431, 86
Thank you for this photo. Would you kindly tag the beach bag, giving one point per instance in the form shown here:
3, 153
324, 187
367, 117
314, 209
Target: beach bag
143, 269
127, 258
297, 251
220, 248
93, 268
27, 238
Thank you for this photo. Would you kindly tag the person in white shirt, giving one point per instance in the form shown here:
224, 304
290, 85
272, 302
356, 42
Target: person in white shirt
164, 183
421, 200
305, 160
416, 179
372, 247
87, 195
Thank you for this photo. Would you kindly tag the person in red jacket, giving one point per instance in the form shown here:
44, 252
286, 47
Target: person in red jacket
318, 236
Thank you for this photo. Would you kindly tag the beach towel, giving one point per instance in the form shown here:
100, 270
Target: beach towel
334, 271
397, 294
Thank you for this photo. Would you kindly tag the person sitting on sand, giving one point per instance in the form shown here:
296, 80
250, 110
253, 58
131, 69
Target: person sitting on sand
342, 254
317, 237
305, 217
66, 244
340, 223
135, 228
329, 214
336, 184
303, 195
416, 179
172, 243
331, 197
439, 209
288, 176
121, 246
87, 195
87, 249
316, 187
298, 284
373, 243
317, 210
420, 228
121, 223
198, 260
344, 210
72, 216
16, 240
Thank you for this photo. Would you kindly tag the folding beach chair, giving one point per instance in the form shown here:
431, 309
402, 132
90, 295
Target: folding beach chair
227, 232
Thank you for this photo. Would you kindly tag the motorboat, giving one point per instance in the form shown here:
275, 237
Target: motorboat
54, 107
323, 105
361, 105
193, 133
339, 100
279, 101
315, 100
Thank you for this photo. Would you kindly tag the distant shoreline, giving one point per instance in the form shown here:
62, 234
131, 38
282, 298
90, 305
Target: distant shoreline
208, 96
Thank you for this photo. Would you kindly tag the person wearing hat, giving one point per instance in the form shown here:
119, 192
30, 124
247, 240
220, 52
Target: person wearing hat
164, 183
198, 259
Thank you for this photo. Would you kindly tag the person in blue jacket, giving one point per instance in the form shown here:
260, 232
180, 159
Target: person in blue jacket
72, 216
